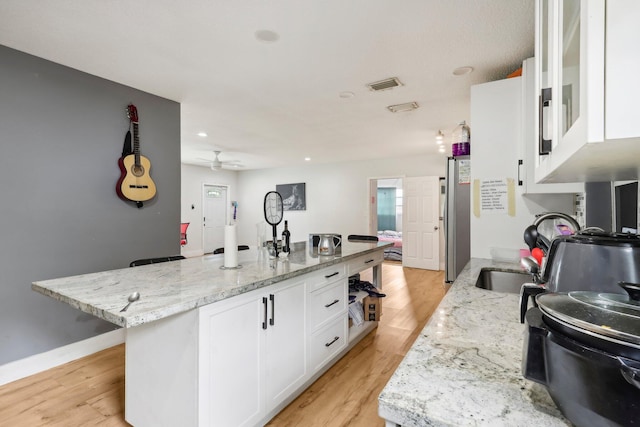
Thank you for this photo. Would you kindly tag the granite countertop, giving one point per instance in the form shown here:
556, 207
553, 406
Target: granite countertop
178, 286
464, 367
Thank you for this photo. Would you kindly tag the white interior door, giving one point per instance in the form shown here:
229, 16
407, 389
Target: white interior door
420, 236
215, 216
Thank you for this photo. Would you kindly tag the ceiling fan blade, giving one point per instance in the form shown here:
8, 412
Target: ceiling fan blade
216, 164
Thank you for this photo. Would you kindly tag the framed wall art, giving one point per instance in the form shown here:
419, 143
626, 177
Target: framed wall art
293, 196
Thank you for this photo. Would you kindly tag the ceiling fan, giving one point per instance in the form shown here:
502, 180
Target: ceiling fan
217, 164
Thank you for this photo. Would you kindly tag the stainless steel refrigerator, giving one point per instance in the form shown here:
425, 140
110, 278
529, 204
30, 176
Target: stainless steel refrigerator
456, 216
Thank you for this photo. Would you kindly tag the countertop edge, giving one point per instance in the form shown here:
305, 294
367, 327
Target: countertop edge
461, 371
132, 319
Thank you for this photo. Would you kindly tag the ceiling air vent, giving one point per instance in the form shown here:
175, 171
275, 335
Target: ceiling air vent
401, 108
385, 84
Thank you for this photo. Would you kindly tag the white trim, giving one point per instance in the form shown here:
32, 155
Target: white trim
37, 363
193, 253
228, 212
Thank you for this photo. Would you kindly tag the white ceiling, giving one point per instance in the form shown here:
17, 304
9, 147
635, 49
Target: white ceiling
270, 104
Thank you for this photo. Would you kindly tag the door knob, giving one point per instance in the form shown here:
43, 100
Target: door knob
435, 228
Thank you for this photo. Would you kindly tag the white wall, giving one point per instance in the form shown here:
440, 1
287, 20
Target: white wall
497, 131
193, 179
337, 194
500, 232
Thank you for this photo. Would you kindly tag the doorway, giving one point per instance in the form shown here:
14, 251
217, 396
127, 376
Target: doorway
406, 211
215, 209
386, 214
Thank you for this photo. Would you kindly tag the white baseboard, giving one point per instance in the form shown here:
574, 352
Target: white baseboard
31, 365
192, 253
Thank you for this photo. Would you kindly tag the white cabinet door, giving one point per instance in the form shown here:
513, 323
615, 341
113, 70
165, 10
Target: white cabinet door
528, 135
285, 358
232, 337
623, 62
584, 51
570, 52
496, 129
253, 354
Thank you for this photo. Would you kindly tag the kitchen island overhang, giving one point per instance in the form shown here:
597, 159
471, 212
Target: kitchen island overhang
178, 286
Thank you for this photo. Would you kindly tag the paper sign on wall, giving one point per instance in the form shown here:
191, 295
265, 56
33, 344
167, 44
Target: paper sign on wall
497, 196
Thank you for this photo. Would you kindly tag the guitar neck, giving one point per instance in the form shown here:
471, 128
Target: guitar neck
136, 144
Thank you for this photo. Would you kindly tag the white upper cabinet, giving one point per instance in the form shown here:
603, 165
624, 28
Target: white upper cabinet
586, 52
528, 152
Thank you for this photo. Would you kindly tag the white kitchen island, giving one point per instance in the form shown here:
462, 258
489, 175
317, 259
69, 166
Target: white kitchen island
231, 347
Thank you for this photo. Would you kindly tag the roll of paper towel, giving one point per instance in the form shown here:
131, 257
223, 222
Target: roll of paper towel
230, 246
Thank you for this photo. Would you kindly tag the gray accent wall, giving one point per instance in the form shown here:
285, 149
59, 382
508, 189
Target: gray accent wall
61, 134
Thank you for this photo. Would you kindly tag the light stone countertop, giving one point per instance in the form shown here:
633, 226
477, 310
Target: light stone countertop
464, 367
177, 286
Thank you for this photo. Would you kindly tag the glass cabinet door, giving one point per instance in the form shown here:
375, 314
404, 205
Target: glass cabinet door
544, 55
570, 64
545, 47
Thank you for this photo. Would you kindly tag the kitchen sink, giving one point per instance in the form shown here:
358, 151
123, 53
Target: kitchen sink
502, 281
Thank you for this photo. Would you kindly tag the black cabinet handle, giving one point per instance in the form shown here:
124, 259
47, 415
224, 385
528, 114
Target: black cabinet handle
331, 275
331, 342
520, 162
332, 303
264, 302
272, 321
367, 262
544, 145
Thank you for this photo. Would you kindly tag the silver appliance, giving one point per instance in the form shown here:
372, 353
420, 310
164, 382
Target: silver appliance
456, 216
314, 241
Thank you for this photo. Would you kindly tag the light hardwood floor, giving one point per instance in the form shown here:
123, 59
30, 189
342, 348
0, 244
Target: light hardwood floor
90, 391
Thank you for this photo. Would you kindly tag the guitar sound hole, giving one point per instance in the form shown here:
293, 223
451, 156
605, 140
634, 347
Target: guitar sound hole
137, 170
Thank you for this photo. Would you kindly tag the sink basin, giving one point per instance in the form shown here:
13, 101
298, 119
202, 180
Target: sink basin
502, 281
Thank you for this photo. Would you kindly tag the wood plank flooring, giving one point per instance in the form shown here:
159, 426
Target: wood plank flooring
90, 391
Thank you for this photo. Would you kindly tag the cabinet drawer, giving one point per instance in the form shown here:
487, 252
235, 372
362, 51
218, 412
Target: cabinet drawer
365, 261
325, 303
326, 276
327, 342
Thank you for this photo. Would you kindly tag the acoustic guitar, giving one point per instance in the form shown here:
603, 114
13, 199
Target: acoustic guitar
135, 184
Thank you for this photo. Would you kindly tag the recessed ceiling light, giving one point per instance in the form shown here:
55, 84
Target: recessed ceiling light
461, 71
267, 36
347, 94
202, 134
307, 159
